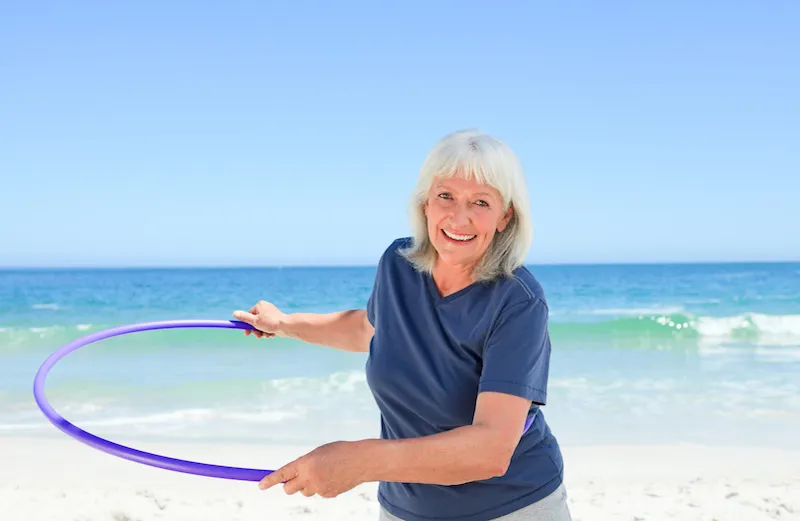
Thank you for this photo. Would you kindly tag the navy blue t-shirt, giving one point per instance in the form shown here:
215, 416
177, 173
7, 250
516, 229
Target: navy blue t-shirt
428, 360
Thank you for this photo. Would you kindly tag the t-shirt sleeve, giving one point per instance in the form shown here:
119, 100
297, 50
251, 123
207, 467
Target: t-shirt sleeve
516, 357
372, 301
371, 305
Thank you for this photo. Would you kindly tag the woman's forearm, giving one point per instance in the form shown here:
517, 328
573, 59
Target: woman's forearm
454, 457
346, 330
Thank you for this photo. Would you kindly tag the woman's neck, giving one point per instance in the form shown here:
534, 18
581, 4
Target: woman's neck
450, 279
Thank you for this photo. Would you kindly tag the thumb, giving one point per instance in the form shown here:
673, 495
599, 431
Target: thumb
244, 316
282, 475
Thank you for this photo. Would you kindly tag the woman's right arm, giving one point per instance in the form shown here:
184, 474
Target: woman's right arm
347, 330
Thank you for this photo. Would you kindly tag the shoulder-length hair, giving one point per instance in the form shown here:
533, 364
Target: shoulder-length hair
472, 154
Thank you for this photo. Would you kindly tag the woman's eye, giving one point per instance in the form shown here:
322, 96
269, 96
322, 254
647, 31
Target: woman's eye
481, 202
444, 195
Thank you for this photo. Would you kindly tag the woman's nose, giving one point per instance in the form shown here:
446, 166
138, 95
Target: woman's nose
459, 217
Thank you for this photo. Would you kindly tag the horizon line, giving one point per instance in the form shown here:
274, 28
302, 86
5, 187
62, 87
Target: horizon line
356, 265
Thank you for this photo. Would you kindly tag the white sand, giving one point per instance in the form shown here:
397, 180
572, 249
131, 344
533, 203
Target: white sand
62, 479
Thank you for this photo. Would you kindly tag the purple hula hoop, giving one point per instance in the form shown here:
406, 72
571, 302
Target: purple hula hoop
147, 458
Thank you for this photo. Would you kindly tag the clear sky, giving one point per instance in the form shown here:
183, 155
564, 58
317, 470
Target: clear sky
291, 132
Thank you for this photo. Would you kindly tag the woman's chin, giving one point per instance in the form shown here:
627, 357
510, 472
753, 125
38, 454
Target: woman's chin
451, 258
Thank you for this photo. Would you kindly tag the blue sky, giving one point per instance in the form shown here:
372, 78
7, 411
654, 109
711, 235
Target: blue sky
274, 133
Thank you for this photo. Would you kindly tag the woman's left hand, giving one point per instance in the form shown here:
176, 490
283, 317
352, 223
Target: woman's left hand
327, 471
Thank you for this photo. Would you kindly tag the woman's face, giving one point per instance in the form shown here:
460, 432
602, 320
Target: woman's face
463, 216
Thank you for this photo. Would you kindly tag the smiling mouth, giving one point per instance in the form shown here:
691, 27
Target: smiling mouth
458, 238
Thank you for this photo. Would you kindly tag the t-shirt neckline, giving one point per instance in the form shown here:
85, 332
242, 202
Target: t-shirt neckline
439, 298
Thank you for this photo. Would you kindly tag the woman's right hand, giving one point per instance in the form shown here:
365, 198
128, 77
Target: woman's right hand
267, 319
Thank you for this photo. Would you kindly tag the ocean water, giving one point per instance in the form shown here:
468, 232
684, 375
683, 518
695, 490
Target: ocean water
683, 353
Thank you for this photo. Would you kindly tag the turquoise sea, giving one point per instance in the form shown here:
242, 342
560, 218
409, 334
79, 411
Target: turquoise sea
680, 353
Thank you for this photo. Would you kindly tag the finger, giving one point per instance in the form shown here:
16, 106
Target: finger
307, 492
279, 476
295, 485
247, 332
244, 316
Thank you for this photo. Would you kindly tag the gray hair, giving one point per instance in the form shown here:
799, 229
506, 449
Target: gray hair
478, 156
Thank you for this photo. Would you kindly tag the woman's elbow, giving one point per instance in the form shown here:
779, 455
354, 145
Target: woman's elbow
500, 465
496, 462
485, 465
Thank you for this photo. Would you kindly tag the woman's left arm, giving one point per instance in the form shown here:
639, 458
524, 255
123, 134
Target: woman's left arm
474, 452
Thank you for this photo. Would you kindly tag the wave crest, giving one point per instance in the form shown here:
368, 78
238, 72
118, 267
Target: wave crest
753, 328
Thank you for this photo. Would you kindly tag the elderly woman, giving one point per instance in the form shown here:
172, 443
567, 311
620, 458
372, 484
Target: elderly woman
458, 342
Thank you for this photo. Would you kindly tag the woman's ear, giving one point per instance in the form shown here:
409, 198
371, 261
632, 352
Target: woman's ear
506, 219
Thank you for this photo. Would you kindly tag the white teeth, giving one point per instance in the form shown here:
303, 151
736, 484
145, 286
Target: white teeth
458, 237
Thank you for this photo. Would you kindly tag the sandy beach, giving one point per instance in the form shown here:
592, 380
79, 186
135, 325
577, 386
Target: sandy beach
60, 479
